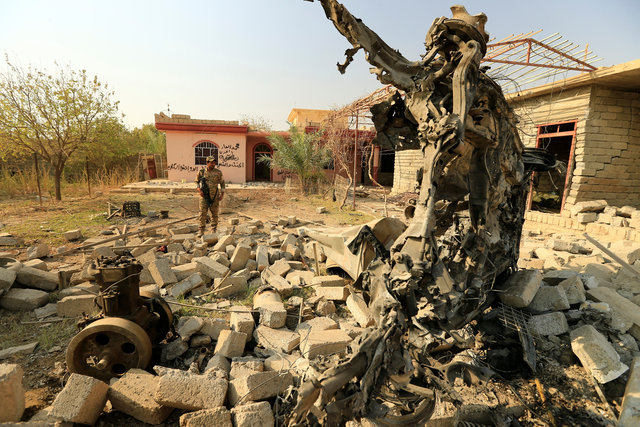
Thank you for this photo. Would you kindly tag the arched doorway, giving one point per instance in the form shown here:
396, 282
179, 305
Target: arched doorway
261, 170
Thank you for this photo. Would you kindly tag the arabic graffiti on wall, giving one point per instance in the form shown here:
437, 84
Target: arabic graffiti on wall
228, 156
182, 167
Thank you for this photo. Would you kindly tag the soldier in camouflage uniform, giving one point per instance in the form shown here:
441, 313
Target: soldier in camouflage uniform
213, 177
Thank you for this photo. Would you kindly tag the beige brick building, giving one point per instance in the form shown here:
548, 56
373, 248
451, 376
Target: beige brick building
590, 121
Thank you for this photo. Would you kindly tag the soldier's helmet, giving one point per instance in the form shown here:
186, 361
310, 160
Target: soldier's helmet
211, 159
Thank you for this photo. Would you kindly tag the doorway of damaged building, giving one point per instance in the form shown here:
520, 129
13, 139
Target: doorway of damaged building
550, 189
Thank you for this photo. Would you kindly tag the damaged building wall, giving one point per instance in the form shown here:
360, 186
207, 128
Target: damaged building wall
608, 168
605, 106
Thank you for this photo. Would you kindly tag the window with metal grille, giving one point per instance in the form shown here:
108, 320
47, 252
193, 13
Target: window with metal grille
204, 150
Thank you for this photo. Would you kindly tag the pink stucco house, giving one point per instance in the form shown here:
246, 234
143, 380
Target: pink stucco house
191, 141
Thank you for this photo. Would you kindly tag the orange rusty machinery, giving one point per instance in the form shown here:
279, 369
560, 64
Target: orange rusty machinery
129, 324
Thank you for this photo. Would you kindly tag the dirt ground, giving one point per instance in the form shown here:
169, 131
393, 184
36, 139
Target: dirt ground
571, 395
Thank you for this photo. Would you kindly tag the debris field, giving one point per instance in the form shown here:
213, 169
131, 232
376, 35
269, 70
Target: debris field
240, 364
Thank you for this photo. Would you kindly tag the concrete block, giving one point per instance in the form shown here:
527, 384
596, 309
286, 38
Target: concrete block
223, 242
148, 256
241, 254
231, 285
189, 325
359, 310
323, 343
212, 327
333, 293
185, 270
300, 277
173, 349
184, 390
11, 393
179, 238
218, 417
549, 298
37, 251
84, 288
318, 324
221, 258
281, 267
604, 272
18, 299
186, 285
520, 288
625, 314
175, 247
72, 235
133, 394
332, 280
20, 349
281, 284
210, 238
210, 268
280, 362
37, 279
282, 340
258, 386
242, 366
7, 277
628, 251
75, 305
253, 415
588, 206
241, 320
81, 400
549, 324
46, 311
262, 257
230, 343
218, 362
596, 354
554, 277
574, 289
586, 217
37, 263
630, 412
7, 239
161, 272
272, 315
325, 308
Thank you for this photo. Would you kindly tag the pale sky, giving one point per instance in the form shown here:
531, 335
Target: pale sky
221, 59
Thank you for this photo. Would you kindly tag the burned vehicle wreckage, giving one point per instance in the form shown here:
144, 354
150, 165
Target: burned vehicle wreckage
446, 268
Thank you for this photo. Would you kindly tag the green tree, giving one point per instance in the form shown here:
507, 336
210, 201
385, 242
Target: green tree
256, 123
302, 154
148, 139
52, 115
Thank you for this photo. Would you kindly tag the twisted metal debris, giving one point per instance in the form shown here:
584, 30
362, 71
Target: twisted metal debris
463, 238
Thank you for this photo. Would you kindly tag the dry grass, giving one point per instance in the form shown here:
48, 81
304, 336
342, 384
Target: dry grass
24, 182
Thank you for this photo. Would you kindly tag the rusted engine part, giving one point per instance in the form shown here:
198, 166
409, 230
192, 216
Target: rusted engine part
130, 322
443, 267
351, 250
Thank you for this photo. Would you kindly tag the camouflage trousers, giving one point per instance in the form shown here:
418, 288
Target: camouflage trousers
213, 208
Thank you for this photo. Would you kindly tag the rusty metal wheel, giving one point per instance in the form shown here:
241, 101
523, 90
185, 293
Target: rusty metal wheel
160, 306
108, 348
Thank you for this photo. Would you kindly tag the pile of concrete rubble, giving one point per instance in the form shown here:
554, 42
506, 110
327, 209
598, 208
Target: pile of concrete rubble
233, 364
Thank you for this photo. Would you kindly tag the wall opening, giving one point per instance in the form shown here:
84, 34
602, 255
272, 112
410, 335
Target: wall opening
204, 150
261, 170
550, 189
